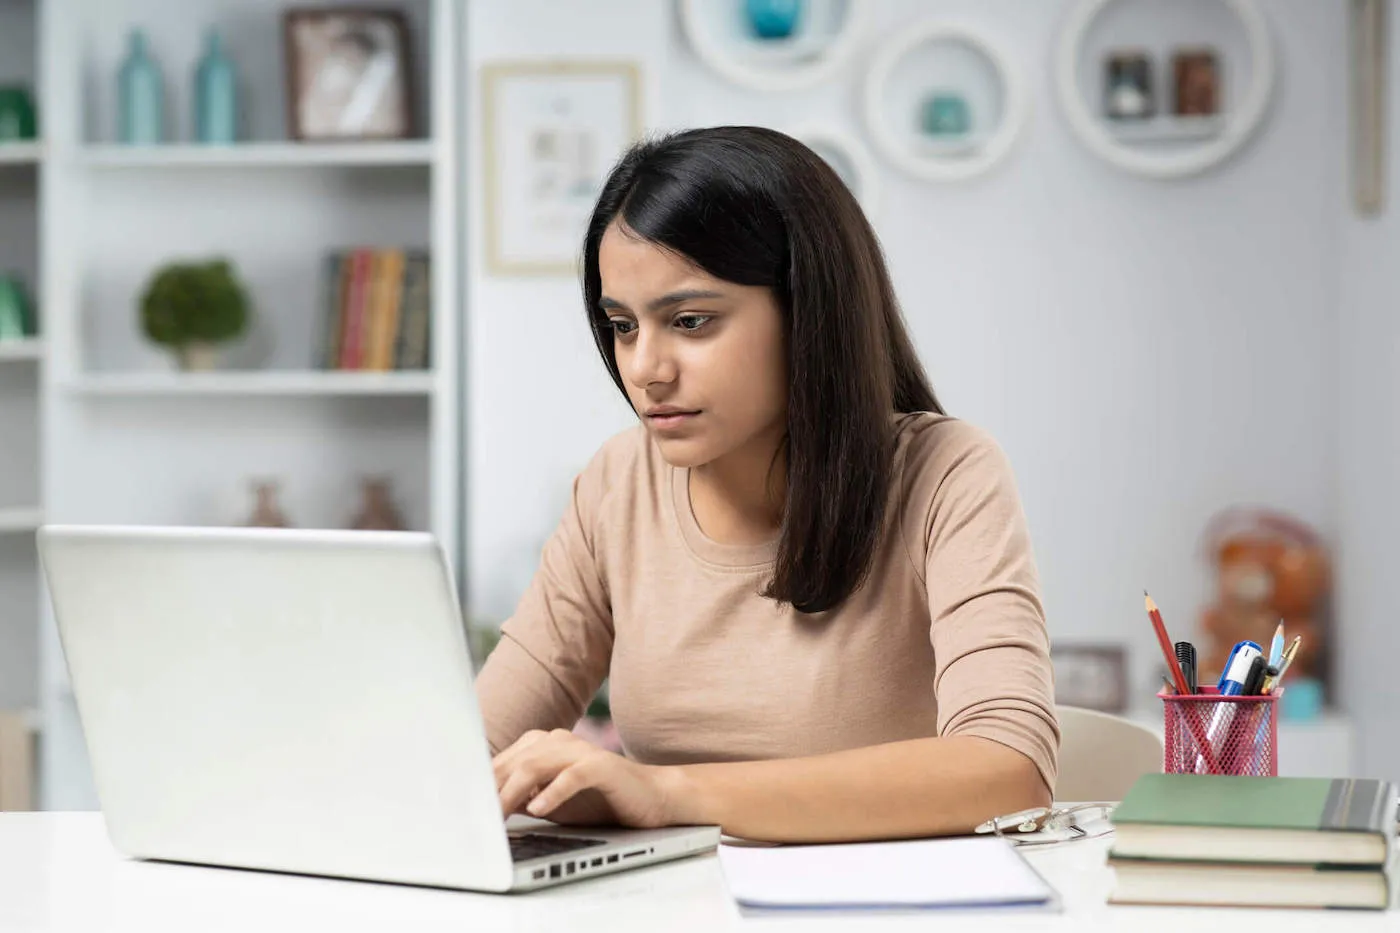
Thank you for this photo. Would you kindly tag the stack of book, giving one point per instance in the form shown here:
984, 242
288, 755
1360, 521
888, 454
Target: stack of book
1254, 842
376, 311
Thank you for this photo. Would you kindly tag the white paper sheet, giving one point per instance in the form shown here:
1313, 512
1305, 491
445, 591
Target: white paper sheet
957, 872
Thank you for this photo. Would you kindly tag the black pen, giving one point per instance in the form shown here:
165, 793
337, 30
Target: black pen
1255, 678
1186, 658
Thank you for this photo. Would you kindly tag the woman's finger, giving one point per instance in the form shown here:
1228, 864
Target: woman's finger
504, 763
576, 777
535, 767
518, 789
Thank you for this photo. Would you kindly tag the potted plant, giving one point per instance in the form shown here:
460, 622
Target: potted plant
192, 306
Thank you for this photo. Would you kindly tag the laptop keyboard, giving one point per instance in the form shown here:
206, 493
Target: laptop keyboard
524, 846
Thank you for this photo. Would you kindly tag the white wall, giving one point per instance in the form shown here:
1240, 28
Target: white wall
1147, 352
1369, 464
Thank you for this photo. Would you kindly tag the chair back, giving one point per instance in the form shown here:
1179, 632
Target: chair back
1102, 755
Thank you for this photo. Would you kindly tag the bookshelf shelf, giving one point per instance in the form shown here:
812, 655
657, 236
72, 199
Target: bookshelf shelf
260, 155
261, 383
21, 153
28, 348
19, 520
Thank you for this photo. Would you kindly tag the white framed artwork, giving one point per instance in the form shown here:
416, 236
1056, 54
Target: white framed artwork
552, 131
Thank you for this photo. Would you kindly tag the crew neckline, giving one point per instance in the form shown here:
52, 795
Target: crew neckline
733, 556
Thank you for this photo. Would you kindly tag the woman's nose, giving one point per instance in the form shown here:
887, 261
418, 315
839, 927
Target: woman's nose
651, 361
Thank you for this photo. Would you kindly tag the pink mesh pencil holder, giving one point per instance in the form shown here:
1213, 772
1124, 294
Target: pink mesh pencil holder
1206, 733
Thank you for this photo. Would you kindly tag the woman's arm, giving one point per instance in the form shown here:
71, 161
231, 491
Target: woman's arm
921, 787
555, 650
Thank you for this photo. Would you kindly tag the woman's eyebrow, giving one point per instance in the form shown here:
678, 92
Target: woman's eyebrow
665, 301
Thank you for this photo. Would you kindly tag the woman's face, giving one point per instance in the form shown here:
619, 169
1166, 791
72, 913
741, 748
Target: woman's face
702, 359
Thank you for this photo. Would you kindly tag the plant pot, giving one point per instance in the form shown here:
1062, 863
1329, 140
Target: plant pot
196, 357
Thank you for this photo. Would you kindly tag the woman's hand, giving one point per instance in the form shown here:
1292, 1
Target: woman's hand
561, 777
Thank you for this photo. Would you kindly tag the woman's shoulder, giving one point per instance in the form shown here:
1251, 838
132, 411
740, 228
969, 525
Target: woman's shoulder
939, 455
928, 437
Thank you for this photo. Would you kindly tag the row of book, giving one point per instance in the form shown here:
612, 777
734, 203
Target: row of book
1222, 840
376, 310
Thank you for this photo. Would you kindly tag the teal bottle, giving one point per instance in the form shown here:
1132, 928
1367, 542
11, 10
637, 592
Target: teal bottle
142, 92
215, 94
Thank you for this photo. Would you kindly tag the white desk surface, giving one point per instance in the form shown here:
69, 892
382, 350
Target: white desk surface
59, 873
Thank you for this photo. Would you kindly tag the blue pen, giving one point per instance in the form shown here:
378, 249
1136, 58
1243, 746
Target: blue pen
1237, 674
1231, 685
1220, 681
1276, 647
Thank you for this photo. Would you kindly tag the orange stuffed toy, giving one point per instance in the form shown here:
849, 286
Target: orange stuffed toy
1269, 566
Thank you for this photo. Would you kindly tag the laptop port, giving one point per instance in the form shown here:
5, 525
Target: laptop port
595, 863
634, 853
569, 868
538, 874
612, 859
554, 871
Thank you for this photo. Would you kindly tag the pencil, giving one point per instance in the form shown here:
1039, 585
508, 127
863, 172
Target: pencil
1168, 652
1205, 753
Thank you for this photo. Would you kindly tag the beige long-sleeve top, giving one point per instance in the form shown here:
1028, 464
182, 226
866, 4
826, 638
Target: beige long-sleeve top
946, 637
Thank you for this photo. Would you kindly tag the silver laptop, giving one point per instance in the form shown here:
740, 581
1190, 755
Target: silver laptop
299, 701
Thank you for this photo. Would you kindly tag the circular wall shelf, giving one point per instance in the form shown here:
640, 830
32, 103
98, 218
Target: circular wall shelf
773, 64
1226, 135
849, 158
951, 161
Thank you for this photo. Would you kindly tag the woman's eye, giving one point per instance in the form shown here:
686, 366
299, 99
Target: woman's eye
622, 327
692, 321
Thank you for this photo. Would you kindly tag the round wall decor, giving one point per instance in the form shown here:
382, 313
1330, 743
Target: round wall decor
1220, 137
953, 150
822, 37
850, 159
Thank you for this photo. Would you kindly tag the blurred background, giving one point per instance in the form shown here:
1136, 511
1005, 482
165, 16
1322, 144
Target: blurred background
316, 267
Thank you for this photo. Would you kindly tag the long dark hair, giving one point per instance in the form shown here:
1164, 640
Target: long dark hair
756, 207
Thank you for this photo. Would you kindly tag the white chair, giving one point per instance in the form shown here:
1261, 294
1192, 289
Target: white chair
1102, 755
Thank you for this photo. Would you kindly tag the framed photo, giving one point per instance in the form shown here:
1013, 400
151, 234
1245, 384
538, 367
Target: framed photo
1196, 83
552, 131
1128, 90
349, 74
1091, 676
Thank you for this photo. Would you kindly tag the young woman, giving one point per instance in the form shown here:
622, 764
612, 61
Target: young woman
813, 592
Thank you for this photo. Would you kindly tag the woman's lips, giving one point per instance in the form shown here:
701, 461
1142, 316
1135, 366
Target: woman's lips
671, 420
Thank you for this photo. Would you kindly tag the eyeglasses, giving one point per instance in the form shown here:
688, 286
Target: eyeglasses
1046, 825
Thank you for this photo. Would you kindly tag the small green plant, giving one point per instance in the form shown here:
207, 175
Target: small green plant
194, 303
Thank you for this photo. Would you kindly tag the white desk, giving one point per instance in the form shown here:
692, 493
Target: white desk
58, 873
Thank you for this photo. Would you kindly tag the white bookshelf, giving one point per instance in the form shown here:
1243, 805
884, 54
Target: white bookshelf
20, 520
259, 154
129, 439
27, 349
21, 171
288, 383
17, 153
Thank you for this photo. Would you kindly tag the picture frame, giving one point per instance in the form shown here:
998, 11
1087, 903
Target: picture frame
1196, 90
1092, 676
349, 74
569, 122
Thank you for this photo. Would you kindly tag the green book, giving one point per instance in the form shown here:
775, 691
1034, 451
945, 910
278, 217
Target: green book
1218, 818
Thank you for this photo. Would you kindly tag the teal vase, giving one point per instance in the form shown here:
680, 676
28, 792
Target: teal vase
773, 19
946, 114
16, 319
215, 94
142, 93
17, 118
